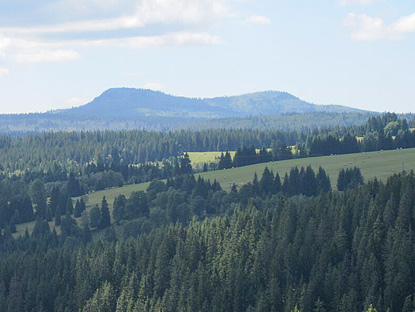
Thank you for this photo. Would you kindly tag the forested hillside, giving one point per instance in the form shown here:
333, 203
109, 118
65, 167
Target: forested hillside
276, 243
257, 252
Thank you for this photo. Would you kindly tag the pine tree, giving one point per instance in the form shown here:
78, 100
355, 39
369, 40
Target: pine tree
94, 217
54, 199
137, 205
277, 184
185, 164
12, 225
86, 234
69, 207
267, 182
255, 185
309, 182
82, 204
323, 181
15, 303
341, 180
118, 212
78, 209
25, 209
73, 186
3, 297
58, 220
103, 300
105, 218
38, 195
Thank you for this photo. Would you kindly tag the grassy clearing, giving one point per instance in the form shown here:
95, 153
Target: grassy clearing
92, 199
206, 157
374, 164
21, 228
110, 194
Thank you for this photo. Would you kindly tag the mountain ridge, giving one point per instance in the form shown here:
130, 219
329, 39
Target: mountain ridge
130, 102
129, 108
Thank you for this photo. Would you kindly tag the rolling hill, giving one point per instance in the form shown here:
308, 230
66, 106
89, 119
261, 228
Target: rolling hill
128, 102
128, 108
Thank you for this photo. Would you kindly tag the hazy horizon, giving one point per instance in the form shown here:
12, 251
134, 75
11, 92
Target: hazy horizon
177, 95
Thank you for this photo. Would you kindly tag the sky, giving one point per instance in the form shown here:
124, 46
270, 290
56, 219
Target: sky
63, 53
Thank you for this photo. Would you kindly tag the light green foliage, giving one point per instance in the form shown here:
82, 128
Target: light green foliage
206, 157
371, 309
373, 164
102, 300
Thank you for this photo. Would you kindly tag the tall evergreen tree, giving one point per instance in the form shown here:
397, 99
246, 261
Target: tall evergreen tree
94, 217
105, 218
38, 195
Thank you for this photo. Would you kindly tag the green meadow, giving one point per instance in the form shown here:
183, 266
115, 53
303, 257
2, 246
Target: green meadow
380, 164
206, 157
373, 164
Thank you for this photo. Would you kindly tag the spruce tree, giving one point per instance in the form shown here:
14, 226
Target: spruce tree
94, 217
118, 212
105, 218
277, 184
86, 234
78, 209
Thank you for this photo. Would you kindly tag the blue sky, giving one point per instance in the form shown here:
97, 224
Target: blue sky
59, 54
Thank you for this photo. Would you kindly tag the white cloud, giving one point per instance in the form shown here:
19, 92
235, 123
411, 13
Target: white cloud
357, 2
4, 72
405, 24
153, 86
36, 56
76, 8
258, 20
366, 28
34, 51
181, 11
173, 39
75, 102
147, 12
29, 44
74, 27
170, 39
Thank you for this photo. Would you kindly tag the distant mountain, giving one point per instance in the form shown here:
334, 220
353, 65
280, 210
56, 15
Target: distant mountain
128, 103
127, 108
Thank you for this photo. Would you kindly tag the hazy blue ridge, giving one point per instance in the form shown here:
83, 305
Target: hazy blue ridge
129, 108
129, 102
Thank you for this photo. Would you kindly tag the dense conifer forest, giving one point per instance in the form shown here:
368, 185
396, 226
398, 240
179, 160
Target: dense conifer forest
188, 246
276, 244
